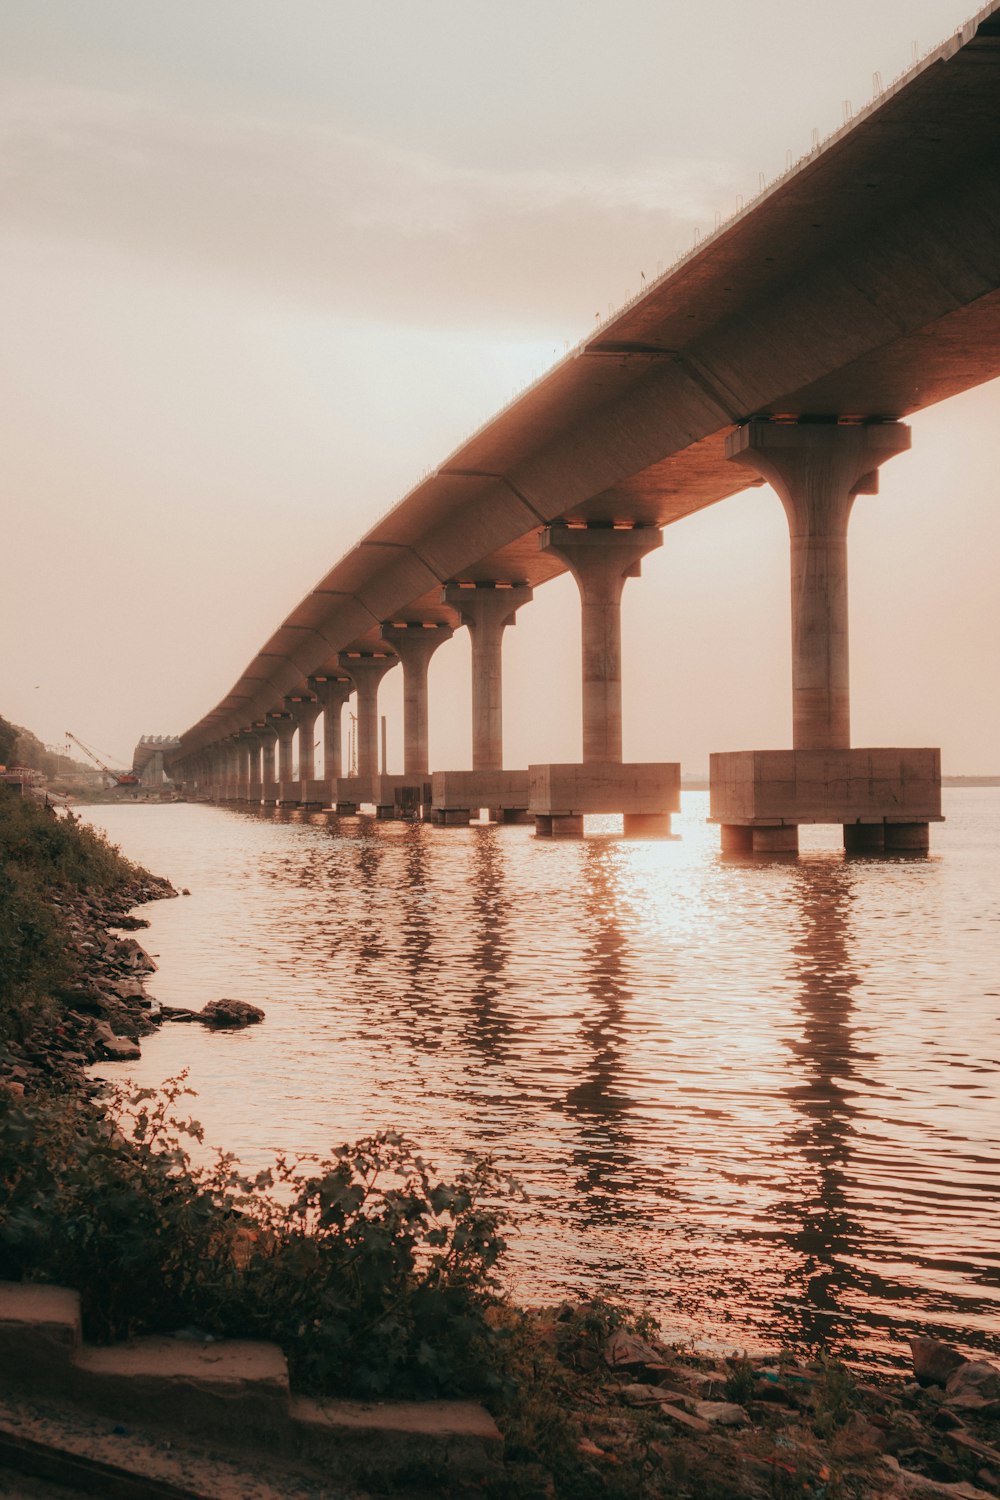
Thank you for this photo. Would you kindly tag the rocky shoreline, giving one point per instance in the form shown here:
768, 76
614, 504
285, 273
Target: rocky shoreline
102, 1012
782, 1425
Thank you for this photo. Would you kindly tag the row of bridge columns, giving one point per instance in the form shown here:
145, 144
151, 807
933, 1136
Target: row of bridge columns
885, 798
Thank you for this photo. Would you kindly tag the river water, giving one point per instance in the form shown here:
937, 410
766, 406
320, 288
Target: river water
758, 1098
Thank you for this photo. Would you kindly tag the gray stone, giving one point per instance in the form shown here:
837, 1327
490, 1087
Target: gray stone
114, 1048
721, 1413
973, 1378
624, 1351
934, 1361
231, 1014
644, 1395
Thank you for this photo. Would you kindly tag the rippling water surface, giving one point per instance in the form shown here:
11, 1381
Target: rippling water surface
759, 1097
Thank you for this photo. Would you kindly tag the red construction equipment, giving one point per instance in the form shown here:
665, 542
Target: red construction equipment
120, 778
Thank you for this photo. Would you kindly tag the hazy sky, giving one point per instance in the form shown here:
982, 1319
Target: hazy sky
265, 261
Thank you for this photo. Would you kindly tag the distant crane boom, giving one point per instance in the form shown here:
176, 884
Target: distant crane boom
120, 778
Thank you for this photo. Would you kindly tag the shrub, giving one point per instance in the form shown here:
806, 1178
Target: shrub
59, 852
371, 1273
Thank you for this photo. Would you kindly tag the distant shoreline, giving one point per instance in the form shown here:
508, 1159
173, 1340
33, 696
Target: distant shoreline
700, 783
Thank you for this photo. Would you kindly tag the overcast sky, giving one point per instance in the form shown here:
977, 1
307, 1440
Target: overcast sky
265, 261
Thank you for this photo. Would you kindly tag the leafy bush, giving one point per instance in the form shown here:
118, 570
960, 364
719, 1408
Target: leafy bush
370, 1273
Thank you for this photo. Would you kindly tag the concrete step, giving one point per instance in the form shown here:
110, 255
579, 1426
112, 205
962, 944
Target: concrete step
234, 1385
453, 1439
40, 1330
234, 1393
59, 1450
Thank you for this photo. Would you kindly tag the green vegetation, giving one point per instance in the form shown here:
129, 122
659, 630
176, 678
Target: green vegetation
44, 861
9, 734
371, 1274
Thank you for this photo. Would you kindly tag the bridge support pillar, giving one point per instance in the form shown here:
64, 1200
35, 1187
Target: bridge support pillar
817, 468
254, 789
366, 672
487, 609
268, 778
415, 644
907, 838
287, 792
213, 759
333, 693
864, 838
305, 712
232, 783
601, 559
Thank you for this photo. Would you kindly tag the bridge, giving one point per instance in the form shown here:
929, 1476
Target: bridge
787, 348
150, 758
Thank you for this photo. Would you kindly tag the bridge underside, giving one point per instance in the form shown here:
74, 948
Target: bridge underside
863, 286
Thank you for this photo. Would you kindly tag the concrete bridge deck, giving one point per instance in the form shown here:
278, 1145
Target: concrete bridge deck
862, 286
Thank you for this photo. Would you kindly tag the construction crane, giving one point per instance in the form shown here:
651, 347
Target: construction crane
120, 778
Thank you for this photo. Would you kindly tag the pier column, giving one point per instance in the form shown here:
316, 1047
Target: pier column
366, 672
232, 769
252, 739
333, 693
305, 711
213, 760
818, 466
415, 644
601, 559
487, 609
248, 746
284, 728
268, 741
817, 469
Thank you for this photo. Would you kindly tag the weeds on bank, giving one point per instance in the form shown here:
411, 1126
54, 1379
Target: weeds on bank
370, 1271
43, 859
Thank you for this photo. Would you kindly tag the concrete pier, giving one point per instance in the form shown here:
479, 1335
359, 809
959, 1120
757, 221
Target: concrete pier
487, 610
268, 775
415, 643
333, 693
457, 795
254, 783
818, 467
287, 787
305, 710
817, 470
647, 794
366, 670
601, 559
231, 773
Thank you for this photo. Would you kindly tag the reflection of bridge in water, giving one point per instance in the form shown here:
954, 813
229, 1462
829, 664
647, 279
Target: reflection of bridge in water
862, 286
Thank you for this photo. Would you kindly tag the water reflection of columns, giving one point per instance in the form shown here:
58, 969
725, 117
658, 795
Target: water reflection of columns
598, 1101
370, 926
826, 1235
417, 934
489, 1025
